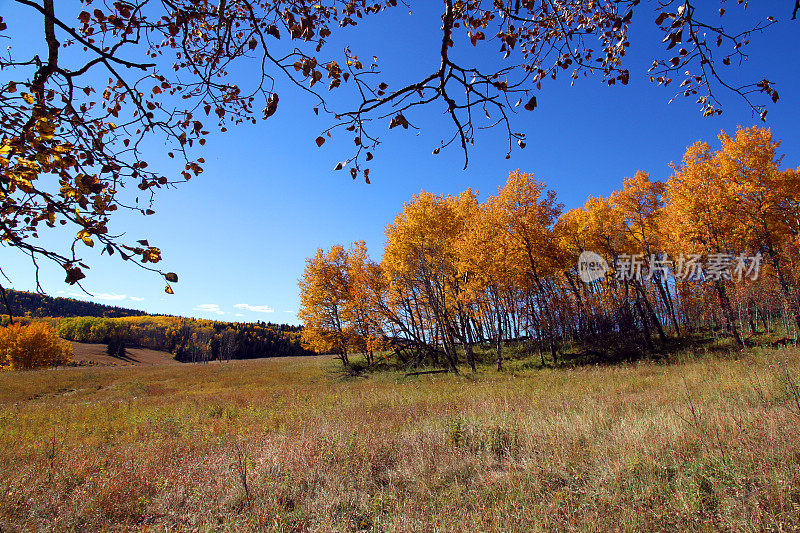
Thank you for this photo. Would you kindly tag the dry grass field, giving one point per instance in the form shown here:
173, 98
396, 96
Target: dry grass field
85, 353
290, 445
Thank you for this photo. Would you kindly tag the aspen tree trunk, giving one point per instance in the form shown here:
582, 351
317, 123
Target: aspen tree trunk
499, 344
470, 355
725, 302
645, 326
652, 314
667, 298
466, 342
499, 331
582, 312
787, 293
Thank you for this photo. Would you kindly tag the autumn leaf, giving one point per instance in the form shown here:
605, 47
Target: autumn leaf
74, 275
85, 236
46, 129
272, 105
399, 120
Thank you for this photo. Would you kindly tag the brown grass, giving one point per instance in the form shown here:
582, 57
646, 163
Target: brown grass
286, 445
85, 353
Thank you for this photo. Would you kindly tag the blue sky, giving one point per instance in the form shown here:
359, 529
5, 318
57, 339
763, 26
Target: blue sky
238, 235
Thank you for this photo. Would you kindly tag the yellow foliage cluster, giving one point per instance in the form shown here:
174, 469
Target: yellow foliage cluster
336, 303
32, 346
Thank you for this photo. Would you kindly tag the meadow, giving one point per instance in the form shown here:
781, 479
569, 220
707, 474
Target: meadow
706, 443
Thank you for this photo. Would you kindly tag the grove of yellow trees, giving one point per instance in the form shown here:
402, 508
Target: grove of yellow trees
712, 250
34, 345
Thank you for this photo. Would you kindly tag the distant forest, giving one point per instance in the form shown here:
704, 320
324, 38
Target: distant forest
187, 339
40, 305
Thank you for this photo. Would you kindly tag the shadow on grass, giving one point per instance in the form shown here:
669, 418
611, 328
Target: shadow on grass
608, 350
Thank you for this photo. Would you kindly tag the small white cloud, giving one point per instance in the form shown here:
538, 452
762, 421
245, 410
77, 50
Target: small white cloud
72, 294
293, 311
209, 308
255, 308
103, 296
137, 299
238, 314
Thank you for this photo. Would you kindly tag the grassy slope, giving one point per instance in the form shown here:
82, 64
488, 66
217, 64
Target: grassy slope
90, 353
706, 445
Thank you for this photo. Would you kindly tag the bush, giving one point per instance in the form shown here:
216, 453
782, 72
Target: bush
32, 346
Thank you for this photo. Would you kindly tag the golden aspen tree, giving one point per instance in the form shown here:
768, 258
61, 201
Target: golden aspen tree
456, 272
526, 211
765, 200
420, 255
697, 217
323, 293
361, 307
640, 206
29, 346
485, 261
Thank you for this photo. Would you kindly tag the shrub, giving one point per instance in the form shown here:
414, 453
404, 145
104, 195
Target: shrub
32, 346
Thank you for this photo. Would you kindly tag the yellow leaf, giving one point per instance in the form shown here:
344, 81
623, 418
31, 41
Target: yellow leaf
85, 236
28, 98
46, 129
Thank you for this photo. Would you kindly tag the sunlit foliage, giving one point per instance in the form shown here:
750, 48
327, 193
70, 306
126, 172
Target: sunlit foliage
34, 345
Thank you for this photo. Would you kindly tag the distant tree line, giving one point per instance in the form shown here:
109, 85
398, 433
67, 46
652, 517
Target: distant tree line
190, 340
41, 305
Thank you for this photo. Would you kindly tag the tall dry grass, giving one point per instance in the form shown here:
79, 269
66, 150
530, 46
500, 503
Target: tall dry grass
287, 445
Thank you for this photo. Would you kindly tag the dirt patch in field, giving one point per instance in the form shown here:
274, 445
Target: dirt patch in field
96, 354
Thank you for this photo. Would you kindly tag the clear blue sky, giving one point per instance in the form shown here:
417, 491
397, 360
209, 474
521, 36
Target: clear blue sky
239, 234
